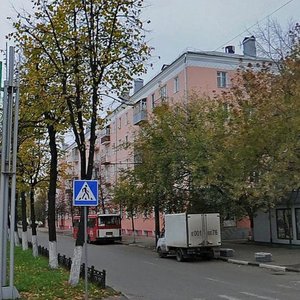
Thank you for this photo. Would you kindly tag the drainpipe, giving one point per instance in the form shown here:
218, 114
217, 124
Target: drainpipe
185, 79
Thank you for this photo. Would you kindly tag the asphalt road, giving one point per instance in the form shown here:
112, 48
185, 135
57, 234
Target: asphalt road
140, 275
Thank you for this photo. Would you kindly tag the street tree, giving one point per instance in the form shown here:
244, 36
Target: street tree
40, 111
159, 164
95, 47
260, 162
33, 160
276, 42
127, 194
175, 150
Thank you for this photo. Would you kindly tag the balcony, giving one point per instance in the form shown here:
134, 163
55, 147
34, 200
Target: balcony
104, 160
105, 136
139, 117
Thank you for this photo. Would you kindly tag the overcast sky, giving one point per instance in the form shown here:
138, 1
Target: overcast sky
180, 25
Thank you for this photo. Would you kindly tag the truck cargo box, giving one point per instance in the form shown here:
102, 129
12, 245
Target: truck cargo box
192, 230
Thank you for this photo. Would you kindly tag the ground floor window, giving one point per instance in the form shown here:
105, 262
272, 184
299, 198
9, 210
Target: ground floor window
297, 215
284, 223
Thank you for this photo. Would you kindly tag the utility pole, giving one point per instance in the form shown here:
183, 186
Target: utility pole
8, 176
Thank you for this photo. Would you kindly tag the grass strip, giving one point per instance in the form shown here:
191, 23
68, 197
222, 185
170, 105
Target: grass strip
36, 281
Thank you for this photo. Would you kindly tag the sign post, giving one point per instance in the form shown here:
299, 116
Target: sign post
85, 193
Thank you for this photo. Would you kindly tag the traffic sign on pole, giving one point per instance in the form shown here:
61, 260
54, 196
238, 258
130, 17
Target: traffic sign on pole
85, 193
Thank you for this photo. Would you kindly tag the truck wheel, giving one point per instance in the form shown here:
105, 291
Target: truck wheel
160, 253
179, 255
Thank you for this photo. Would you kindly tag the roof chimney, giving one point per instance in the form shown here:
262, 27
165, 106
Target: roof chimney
137, 85
230, 49
249, 46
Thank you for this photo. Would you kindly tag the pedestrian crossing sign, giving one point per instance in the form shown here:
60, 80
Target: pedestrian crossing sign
85, 192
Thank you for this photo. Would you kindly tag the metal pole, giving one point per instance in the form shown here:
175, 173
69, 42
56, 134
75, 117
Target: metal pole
13, 185
8, 160
9, 118
3, 183
86, 297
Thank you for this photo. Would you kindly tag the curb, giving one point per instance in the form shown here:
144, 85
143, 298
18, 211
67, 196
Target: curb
117, 297
138, 245
260, 265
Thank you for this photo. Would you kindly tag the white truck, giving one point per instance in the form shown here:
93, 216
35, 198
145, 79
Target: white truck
190, 235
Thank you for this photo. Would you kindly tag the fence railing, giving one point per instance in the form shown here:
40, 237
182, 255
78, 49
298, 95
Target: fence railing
94, 276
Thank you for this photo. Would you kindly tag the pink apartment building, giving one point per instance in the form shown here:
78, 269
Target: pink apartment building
201, 72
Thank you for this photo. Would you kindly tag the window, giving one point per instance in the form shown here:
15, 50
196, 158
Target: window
163, 92
144, 104
153, 100
126, 118
91, 222
229, 221
140, 106
176, 85
297, 215
222, 79
284, 223
75, 154
120, 123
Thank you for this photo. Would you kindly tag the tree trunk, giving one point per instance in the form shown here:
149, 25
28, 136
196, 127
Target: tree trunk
53, 262
157, 223
77, 254
24, 222
75, 268
132, 225
33, 225
16, 238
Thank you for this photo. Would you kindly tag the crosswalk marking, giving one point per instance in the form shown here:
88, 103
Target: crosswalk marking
229, 297
258, 296
247, 294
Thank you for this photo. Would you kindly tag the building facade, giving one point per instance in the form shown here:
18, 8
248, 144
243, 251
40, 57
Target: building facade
205, 73
280, 224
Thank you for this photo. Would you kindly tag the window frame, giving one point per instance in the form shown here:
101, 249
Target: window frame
222, 79
176, 85
163, 92
153, 100
284, 231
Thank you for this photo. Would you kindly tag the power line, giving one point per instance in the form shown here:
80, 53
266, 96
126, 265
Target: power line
272, 13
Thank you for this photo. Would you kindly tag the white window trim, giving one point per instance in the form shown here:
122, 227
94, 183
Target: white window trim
222, 79
176, 85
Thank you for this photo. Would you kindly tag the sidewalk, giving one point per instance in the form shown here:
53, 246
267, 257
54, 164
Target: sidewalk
284, 257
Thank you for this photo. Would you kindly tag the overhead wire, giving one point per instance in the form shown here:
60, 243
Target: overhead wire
259, 21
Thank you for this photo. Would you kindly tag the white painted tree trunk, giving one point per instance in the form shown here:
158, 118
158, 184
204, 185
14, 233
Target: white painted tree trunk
75, 268
24, 240
53, 262
35, 252
17, 239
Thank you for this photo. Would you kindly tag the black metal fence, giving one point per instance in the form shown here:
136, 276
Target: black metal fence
94, 276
